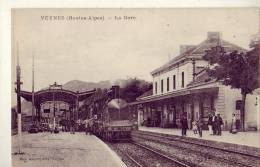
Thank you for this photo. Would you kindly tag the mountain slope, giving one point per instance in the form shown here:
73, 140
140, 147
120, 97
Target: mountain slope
76, 85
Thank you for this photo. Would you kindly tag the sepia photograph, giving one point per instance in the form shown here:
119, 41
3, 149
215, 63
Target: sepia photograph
135, 87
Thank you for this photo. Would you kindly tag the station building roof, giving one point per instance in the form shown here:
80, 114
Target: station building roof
197, 51
201, 78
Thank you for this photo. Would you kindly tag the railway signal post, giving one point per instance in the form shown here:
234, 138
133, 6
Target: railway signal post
18, 89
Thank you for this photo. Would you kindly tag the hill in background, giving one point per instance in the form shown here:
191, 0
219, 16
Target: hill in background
81, 86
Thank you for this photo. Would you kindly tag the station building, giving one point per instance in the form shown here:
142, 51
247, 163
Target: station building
182, 86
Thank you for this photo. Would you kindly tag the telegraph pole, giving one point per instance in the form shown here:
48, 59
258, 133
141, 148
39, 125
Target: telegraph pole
18, 92
258, 45
33, 89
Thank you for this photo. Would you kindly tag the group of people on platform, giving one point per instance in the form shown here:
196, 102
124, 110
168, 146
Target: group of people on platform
214, 124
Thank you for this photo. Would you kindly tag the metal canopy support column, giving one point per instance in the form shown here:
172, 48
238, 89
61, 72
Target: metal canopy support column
39, 113
33, 100
212, 106
73, 119
200, 107
36, 116
192, 110
70, 119
174, 114
77, 110
66, 116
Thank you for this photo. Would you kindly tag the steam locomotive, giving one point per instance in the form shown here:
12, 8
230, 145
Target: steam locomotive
116, 121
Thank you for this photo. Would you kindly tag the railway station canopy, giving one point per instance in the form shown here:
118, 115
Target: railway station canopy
56, 95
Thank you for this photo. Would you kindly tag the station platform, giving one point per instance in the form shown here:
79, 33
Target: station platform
251, 139
63, 150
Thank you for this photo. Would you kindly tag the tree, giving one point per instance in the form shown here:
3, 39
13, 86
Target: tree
238, 69
255, 44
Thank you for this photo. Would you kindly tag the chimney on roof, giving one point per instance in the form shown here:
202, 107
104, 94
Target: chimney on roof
185, 48
214, 35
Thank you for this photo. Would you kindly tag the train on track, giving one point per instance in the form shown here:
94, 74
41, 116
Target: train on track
115, 122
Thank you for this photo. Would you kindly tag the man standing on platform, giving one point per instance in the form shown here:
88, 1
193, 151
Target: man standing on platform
86, 122
184, 125
214, 123
72, 127
219, 123
200, 124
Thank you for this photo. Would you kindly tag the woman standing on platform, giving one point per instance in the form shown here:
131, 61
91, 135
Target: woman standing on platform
210, 123
233, 128
195, 127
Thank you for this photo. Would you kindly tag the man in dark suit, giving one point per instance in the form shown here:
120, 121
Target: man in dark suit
184, 125
218, 123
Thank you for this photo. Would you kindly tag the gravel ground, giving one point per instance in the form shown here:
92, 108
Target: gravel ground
218, 144
121, 154
183, 155
248, 138
207, 152
143, 156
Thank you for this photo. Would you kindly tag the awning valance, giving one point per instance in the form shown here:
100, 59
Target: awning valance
180, 93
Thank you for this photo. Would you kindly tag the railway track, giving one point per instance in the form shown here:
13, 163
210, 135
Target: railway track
133, 160
143, 156
231, 157
202, 144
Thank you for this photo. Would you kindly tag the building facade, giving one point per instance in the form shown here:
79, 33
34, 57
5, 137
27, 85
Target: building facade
182, 86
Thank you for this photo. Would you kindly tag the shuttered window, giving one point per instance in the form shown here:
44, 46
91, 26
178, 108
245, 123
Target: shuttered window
182, 79
174, 82
162, 86
168, 84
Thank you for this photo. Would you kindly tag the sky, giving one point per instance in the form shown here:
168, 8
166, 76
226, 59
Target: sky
110, 49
